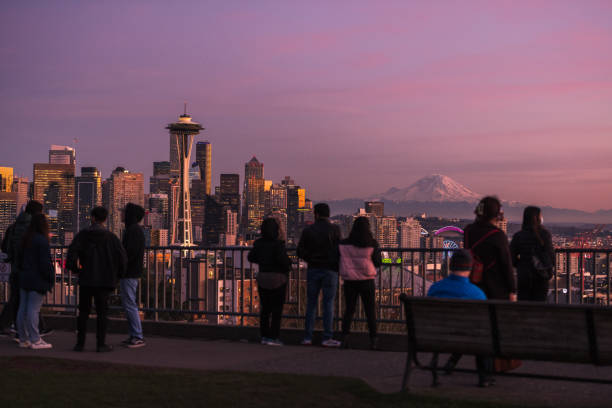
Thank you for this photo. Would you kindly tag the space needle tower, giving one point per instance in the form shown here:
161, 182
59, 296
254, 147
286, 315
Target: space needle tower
181, 142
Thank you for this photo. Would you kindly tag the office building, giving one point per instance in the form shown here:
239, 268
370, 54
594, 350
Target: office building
88, 194
198, 202
62, 155
229, 191
213, 221
387, 232
296, 199
6, 179
204, 161
375, 207
254, 199
54, 188
122, 187
410, 233
8, 210
21, 186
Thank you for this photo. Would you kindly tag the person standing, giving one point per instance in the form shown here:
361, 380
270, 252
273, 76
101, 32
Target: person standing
457, 286
318, 246
533, 256
11, 245
98, 258
274, 265
35, 279
359, 258
134, 245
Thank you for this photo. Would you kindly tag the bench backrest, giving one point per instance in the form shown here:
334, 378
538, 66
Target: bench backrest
524, 330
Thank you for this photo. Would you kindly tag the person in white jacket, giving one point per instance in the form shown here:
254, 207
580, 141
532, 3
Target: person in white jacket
359, 258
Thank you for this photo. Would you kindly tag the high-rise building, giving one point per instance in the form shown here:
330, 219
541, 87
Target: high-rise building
181, 142
21, 186
229, 191
278, 197
230, 227
8, 210
157, 217
254, 199
122, 187
204, 160
88, 194
375, 207
6, 179
54, 188
410, 233
198, 202
213, 221
296, 199
159, 183
62, 155
387, 232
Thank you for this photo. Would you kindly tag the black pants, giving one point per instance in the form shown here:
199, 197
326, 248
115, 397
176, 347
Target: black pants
531, 287
484, 365
271, 305
9, 313
100, 296
367, 291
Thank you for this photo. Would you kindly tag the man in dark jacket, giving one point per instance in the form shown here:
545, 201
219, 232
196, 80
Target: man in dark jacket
97, 256
319, 247
134, 245
11, 245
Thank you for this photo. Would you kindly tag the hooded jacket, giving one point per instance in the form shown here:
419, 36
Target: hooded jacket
103, 260
134, 241
37, 272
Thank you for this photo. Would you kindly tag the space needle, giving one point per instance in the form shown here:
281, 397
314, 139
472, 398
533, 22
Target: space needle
181, 139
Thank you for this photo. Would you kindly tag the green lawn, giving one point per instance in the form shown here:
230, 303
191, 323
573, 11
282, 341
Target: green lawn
44, 382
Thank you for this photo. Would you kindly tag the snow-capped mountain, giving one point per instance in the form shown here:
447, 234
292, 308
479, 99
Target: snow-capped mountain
434, 188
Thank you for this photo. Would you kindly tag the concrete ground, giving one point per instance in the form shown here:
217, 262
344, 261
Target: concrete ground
382, 370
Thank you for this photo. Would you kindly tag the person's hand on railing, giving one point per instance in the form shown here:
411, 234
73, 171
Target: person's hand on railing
513, 297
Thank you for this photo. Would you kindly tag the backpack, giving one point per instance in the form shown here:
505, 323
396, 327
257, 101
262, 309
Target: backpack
478, 266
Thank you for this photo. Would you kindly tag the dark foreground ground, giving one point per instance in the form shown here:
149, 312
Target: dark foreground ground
172, 372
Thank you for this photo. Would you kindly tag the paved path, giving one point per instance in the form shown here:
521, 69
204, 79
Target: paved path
382, 370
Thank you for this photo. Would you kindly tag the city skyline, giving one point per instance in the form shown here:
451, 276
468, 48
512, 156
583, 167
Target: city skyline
349, 99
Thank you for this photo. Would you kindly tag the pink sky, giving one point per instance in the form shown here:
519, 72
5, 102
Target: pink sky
510, 98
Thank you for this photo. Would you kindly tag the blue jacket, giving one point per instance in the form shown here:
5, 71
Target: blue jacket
457, 287
38, 273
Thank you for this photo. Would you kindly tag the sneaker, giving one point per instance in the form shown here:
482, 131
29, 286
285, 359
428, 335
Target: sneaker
330, 343
105, 348
264, 340
275, 342
16, 339
306, 342
45, 332
78, 347
136, 342
127, 341
41, 344
24, 344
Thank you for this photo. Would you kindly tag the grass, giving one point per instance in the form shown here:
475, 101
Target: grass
45, 382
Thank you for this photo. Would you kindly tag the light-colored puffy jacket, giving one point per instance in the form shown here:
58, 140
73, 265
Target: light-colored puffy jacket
356, 263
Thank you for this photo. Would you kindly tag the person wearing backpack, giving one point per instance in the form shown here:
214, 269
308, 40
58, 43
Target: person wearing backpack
274, 265
533, 256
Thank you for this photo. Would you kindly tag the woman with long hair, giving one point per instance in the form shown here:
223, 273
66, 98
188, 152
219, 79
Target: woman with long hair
270, 254
359, 258
35, 280
533, 256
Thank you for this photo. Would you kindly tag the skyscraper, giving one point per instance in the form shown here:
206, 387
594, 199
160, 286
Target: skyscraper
410, 233
6, 179
181, 142
54, 188
123, 187
387, 232
21, 186
198, 202
62, 155
375, 207
204, 160
159, 183
253, 192
296, 199
229, 191
8, 210
88, 194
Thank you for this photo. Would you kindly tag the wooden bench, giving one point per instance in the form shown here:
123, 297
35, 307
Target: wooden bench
517, 330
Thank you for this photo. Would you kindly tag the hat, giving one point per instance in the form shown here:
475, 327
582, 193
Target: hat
461, 260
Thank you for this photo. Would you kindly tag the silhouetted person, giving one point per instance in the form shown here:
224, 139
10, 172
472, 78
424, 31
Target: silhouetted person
134, 245
36, 278
274, 265
533, 256
97, 256
319, 247
359, 258
11, 244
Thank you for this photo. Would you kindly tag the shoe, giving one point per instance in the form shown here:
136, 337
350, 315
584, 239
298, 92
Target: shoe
487, 382
374, 343
104, 348
330, 343
41, 344
264, 340
306, 342
127, 341
16, 339
274, 342
45, 332
24, 344
136, 343
78, 347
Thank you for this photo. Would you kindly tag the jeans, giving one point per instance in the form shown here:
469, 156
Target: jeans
11, 308
30, 302
327, 280
100, 296
129, 294
352, 290
272, 301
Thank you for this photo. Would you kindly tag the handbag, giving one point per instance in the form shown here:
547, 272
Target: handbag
271, 280
541, 269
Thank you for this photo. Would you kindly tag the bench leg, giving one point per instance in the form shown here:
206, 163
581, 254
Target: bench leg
407, 371
434, 370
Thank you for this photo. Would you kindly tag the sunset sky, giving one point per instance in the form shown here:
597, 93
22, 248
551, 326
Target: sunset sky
348, 98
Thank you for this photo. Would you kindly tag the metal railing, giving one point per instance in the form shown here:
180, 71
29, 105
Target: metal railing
218, 285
